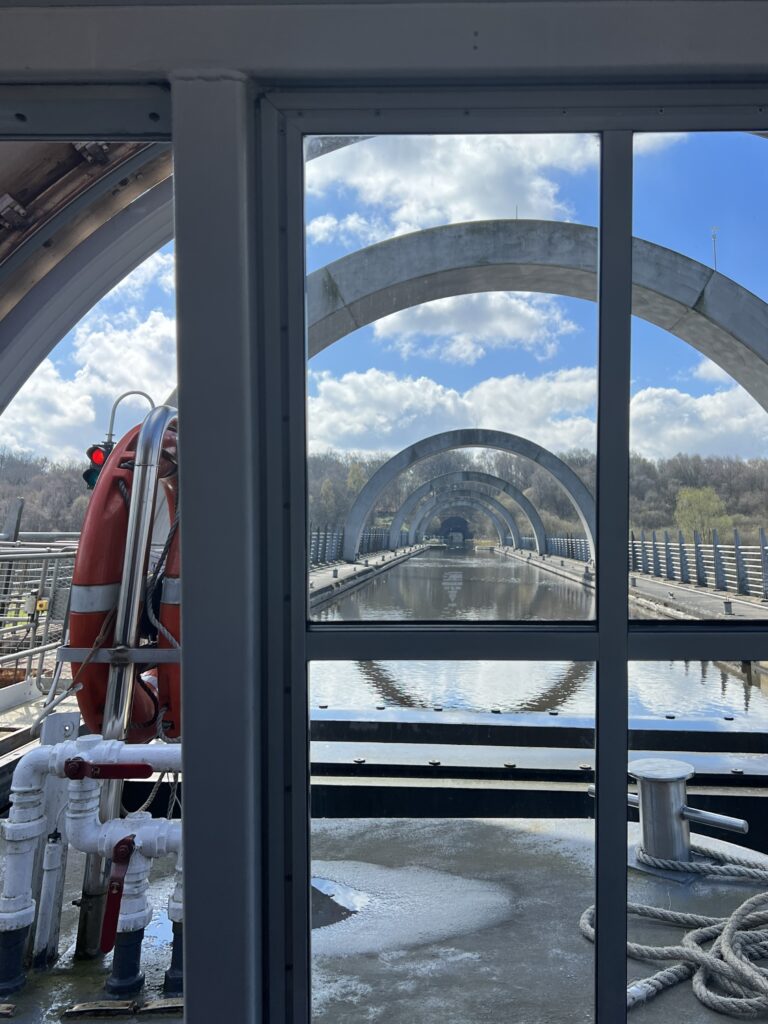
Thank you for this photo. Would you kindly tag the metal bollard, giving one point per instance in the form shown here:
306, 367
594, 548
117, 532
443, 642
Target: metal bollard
335, 574
664, 814
728, 607
662, 795
633, 581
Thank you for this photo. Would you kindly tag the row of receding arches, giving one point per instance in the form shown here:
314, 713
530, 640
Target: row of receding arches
709, 311
468, 486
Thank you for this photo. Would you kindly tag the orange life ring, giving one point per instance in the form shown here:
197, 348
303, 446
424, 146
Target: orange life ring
168, 674
96, 579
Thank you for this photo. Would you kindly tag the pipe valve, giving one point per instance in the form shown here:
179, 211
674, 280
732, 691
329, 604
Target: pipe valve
121, 858
79, 768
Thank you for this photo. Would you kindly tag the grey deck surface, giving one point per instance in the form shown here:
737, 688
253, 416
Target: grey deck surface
462, 922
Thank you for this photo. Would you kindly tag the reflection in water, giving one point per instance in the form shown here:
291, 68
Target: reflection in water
479, 587
655, 688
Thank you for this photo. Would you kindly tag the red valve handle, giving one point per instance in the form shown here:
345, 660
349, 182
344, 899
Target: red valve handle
78, 768
121, 856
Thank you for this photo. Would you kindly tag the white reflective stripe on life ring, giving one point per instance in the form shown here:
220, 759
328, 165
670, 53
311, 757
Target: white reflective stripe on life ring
101, 597
171, 590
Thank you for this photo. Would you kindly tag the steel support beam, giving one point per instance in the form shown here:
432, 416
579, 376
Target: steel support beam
214, 129
615, 299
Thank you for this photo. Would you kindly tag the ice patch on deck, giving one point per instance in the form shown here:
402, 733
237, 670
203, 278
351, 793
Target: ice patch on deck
406, 907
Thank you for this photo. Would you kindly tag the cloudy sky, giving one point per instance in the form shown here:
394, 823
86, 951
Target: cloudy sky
521, 362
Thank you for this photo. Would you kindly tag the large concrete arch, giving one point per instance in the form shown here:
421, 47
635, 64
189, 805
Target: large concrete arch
724, 321
466, 504
456, 496
711, 312
470, 437
463, 477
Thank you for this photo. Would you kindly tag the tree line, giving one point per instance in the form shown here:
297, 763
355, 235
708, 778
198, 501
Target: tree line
686, 491
683, 492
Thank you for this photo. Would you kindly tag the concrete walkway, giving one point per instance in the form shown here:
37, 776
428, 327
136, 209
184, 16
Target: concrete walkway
328, 582
650, 597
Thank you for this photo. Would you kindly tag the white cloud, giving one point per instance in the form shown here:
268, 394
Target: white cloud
417, 181
46, 409
666, 421
707, 370
54, 414
158, 269
117, 354
379, 411
353, 228
461, 329
653, 142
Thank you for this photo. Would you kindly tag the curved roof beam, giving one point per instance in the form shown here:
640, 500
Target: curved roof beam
469, 437
724, 321
467, 476
470, 499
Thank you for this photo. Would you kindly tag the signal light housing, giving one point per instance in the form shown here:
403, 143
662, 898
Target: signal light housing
97, 455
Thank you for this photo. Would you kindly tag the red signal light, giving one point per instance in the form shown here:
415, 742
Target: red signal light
98, 457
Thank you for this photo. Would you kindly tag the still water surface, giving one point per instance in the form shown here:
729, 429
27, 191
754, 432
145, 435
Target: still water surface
482, 586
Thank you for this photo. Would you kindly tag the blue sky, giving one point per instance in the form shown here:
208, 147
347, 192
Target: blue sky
514, 361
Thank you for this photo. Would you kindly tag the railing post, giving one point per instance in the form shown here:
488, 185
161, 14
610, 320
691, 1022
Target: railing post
717, 558
670, 565
655, 555
685, 575
632, 552
701, 572
763, 564
742, 580
643, 554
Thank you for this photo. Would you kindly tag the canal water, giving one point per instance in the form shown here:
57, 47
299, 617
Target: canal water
482, 586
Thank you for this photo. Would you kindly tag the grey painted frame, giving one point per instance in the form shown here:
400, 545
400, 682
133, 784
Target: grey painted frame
261, 152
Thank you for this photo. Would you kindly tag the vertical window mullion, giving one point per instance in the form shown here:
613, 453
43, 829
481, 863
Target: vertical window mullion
615, 299
223, 639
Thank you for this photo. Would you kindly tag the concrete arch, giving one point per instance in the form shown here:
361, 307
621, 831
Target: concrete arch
468, 476
503, 514
714, 314
454, 499
466, 504
470, 437
711, 312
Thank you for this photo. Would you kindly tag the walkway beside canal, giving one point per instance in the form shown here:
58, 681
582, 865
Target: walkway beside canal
650, 597
328, 582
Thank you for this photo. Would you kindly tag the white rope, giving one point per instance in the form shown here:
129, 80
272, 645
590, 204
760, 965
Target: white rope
725, 978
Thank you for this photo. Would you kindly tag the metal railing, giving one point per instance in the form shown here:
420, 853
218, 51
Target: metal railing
35, 582
326, 543
736, 568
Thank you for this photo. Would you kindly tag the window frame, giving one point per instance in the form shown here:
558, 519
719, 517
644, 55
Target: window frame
261, 960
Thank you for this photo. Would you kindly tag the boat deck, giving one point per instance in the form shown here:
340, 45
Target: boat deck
456, 920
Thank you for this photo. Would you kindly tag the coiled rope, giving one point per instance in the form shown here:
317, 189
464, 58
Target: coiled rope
725, 978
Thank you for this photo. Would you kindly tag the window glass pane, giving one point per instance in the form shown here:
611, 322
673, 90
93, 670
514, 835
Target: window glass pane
697, 742
452, 841
451, 376
699, 476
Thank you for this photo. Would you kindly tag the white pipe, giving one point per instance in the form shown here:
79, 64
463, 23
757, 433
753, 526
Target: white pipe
26, 820
176, 899
52, 861
155, 837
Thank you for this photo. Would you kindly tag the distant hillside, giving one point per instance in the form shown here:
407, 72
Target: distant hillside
56, 496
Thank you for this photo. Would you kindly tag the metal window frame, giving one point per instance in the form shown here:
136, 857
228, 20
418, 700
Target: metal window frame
244, 244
